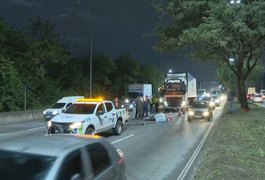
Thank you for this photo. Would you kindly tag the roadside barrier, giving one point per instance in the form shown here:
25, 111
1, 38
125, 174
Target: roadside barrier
21, 116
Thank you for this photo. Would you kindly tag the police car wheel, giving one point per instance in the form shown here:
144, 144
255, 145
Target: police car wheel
118, 128
90, 131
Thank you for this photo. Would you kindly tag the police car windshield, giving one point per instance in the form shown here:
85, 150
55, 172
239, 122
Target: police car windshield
26, 166
58, 105
81, 109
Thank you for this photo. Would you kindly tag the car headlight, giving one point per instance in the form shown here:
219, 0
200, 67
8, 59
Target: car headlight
205, 113
44, 112
54, 112
211, 104
126, 100
160, 100
76, 125
131, 106
122, 106
49, 124
191, 113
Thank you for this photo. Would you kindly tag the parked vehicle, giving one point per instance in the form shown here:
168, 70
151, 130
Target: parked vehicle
262, 92
135, 90
257, 98
199, 110
56, 157
89, 116
178, 90
60, 106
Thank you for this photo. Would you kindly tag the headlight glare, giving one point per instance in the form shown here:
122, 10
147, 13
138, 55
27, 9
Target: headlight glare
191, 113
205, 113
76, 125
126, 100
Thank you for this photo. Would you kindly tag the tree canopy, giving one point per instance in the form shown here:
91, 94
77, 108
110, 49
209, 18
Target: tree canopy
229, 34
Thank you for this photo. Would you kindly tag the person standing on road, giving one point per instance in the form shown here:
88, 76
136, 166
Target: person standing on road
230, 99
156, 104
146, 106
137, 105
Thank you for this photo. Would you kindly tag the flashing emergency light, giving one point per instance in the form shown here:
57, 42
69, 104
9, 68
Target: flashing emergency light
90, 100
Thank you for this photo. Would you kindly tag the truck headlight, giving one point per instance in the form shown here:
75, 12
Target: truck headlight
211, 104
191, 113
76, 125
49, 124
54, 112
126, 100
205, 113
183, 103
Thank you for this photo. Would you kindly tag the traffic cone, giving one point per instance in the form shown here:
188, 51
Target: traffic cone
170, 117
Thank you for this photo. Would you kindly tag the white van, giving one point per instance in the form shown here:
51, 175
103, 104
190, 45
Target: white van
60, 106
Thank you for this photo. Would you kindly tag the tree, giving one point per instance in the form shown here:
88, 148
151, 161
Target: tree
149, 74
127, 70
221, 30
11, 87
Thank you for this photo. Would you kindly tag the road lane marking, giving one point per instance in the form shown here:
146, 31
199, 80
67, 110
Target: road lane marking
194, 155
123, 138
2, 134
36, 128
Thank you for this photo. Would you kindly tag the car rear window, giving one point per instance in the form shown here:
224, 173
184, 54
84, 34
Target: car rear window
15, 165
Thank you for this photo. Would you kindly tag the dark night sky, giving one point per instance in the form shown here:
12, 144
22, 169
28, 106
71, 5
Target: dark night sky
119, 26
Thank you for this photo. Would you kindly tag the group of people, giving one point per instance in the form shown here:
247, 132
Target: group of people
142, 107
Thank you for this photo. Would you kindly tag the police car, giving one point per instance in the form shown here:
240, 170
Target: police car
89, 116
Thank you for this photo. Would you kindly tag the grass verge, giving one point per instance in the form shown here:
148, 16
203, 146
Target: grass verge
235, 148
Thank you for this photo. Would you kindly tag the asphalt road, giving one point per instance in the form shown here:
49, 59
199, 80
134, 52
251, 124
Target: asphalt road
152, 151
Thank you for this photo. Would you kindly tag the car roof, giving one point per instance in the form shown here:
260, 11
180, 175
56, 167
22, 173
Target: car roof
49, 145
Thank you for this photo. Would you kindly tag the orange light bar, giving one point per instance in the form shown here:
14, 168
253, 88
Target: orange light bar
90, 100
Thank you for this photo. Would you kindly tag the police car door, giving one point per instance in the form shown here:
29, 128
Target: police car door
110, 113
101, 114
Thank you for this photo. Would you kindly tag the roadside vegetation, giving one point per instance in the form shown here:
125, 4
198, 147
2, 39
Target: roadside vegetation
235, 148
37, 66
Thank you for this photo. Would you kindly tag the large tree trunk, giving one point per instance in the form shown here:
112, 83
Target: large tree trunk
242, 93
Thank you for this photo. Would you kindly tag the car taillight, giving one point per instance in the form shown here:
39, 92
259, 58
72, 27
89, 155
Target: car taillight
121, 156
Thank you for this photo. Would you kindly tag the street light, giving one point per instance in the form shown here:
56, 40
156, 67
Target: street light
91, 52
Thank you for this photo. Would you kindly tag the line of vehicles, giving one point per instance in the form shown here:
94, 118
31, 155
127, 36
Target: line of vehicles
75, 151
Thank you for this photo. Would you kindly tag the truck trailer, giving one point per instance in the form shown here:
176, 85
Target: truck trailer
178, 90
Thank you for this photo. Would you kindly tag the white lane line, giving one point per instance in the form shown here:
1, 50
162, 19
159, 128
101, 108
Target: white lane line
36, 128
2, 134
123, 138
194, 155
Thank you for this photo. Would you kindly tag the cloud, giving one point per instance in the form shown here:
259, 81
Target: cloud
27, 3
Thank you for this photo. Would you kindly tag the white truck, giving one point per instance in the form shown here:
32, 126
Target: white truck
135, 90
89, 116
178, 90
59, 106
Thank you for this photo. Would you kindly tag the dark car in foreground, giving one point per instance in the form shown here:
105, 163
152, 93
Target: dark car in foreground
199, 110
60, 157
